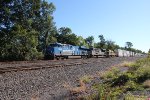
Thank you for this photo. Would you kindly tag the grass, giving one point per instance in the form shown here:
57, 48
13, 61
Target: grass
116, 82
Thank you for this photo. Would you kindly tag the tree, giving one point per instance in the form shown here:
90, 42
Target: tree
22, 23
45, 25
102, 41
64, 32
52, 38
73, 39
128, 45
149, 53
110, 45
90, 41
66, 36
82, 41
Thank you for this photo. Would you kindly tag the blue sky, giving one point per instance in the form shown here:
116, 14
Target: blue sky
117, 20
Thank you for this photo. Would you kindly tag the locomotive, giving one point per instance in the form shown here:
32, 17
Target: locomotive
64, 51
58, 50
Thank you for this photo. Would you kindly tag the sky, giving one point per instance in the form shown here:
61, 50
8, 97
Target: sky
117, 20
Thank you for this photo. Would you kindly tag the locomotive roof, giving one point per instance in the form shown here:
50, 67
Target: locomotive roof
59, 44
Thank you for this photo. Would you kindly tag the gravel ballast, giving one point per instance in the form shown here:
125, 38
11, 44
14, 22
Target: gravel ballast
50, 83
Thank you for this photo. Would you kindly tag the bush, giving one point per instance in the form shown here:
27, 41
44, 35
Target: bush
34, 54
132, 86
122, 79
142, 74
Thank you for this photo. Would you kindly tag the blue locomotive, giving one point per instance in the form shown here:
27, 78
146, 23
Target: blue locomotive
58, 50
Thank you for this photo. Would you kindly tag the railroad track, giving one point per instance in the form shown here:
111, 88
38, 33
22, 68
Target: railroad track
37, 67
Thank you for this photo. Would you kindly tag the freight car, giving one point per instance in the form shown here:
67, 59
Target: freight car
125, 53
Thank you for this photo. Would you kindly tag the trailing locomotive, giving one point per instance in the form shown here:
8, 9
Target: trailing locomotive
96, 52
58, 50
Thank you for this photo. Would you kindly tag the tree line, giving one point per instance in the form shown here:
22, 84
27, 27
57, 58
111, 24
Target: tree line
27, 28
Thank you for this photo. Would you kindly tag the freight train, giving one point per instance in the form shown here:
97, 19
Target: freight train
64, 51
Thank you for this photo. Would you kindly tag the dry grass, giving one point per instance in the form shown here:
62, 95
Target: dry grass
147, 83
82, 81
80, 89
126, 64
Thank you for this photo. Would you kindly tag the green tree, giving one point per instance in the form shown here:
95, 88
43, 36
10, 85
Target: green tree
21, 24
45, 25
66, 36
90, 41
82, 41
102, 41
128, 45
64, 32
110, 45
149, 53
52, 38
